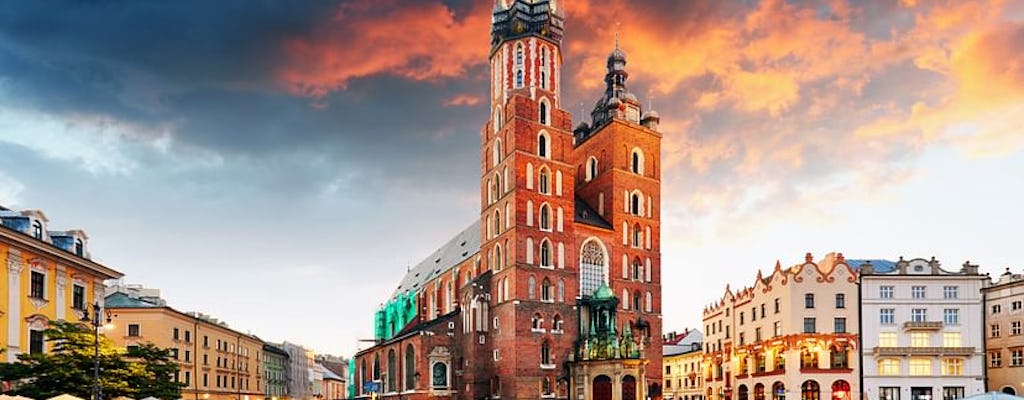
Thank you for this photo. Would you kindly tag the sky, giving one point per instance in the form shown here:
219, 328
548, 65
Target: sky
280, 164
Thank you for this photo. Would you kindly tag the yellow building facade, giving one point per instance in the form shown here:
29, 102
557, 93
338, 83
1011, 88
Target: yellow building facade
49, 276
217, 363
684, 373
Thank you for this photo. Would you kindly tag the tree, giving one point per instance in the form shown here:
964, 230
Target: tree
68, 367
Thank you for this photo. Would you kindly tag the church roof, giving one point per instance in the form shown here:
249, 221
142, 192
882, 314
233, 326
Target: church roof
586, 215
460, 248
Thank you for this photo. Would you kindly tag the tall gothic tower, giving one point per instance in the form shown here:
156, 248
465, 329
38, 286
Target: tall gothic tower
527, 203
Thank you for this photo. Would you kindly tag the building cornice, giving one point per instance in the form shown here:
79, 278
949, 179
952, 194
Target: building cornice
28, 243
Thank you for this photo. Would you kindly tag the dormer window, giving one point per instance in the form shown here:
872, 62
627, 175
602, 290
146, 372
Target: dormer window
37, 230
79, 249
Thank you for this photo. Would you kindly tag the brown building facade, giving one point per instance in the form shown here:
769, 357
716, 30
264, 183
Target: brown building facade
555, 292
217, 363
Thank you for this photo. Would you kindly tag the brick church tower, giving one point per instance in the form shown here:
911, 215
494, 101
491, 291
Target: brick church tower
555, 292
527, 203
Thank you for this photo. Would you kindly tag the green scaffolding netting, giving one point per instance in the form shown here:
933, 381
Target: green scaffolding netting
394, 315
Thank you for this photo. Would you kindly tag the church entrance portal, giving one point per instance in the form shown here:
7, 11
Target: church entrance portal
602, 388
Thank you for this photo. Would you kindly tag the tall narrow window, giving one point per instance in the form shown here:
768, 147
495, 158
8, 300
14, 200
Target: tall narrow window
546, 290
77, 297
544, 112
637, 162
591, 168
635, 204
35, 342
544, 68
37, 230
37, 290
79, 248
544, 181
545, 216
545, 353
542, 145
545, 253
593, 269
519, 78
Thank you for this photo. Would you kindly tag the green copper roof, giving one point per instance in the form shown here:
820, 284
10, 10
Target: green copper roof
603, 292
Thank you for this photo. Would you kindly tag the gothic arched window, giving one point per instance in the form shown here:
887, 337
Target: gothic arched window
544, 181
545, 253
410, 367
531, 288
545, 353
546, 290
593, 269
392, 372
544, 68
543, 112
637, 162
545, 217
591, 168
543, 147
636, 203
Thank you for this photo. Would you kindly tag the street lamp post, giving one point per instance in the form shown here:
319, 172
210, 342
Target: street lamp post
94, 320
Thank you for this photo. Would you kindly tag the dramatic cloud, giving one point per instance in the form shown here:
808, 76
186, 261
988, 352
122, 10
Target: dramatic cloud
339, 135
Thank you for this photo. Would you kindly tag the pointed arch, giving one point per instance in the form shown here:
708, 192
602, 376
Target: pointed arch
591, 170
529, 251
544, 217
497, 186
647, 237
504, 174
546, 291
636, 203
559, 223
544, 180
593, 265
636, 162
649, 302
544, 111
531, 288
497, 222
561, 255
496, 153
647, 269
529, 176
561, 290
558, 183
544, 67
498, 258
529, 213
543, 144
545, 253
508, 215
637, 236
625, 299
497, 121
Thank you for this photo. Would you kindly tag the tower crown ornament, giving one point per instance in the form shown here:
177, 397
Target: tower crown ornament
519, 18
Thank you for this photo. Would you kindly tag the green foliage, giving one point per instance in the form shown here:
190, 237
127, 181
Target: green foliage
68, 367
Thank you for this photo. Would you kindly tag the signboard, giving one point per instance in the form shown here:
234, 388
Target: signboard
371, 387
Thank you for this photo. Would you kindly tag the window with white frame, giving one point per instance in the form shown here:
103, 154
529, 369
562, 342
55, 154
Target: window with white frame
886, 292
952, 366
889, 367
951, 339
536, 323
1014, 328
887, 316
919, 314
951, 316
1015, 306
920, 339
994, 330
917, 292
543, 145
591, 169
995, 359
950, 292
887, 339
920, 366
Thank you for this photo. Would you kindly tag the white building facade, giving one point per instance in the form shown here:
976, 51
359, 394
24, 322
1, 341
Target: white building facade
922, 330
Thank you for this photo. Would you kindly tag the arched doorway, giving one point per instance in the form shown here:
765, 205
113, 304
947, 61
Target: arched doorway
602, 388
840, 390
778, 391
628, 388
810, 391
742, 393
1009, 390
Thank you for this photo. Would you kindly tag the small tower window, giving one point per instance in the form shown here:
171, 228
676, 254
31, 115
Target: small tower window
636, 204
544, 68
544, 181
543, 145
546, 290
637, 162
519, 78
531, 288
545, 253
519, 55
545, 353
545, 217
591, 168
497, 153
543, 112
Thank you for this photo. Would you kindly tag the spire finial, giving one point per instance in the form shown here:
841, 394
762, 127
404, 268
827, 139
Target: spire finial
618, 25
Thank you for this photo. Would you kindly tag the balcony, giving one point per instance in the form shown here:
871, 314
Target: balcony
924, 351
922, 325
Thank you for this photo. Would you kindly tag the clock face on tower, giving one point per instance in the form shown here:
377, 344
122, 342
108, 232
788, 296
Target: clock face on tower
633, 114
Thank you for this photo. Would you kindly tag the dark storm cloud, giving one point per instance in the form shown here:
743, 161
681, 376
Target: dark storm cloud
207, 70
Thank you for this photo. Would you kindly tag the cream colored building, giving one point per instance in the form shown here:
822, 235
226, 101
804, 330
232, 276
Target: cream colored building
1004, 314
922, 331
682, 357
49, 276
217, 362
791, 335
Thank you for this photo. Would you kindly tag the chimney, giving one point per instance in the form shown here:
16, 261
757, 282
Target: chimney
969, 269
866, 268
